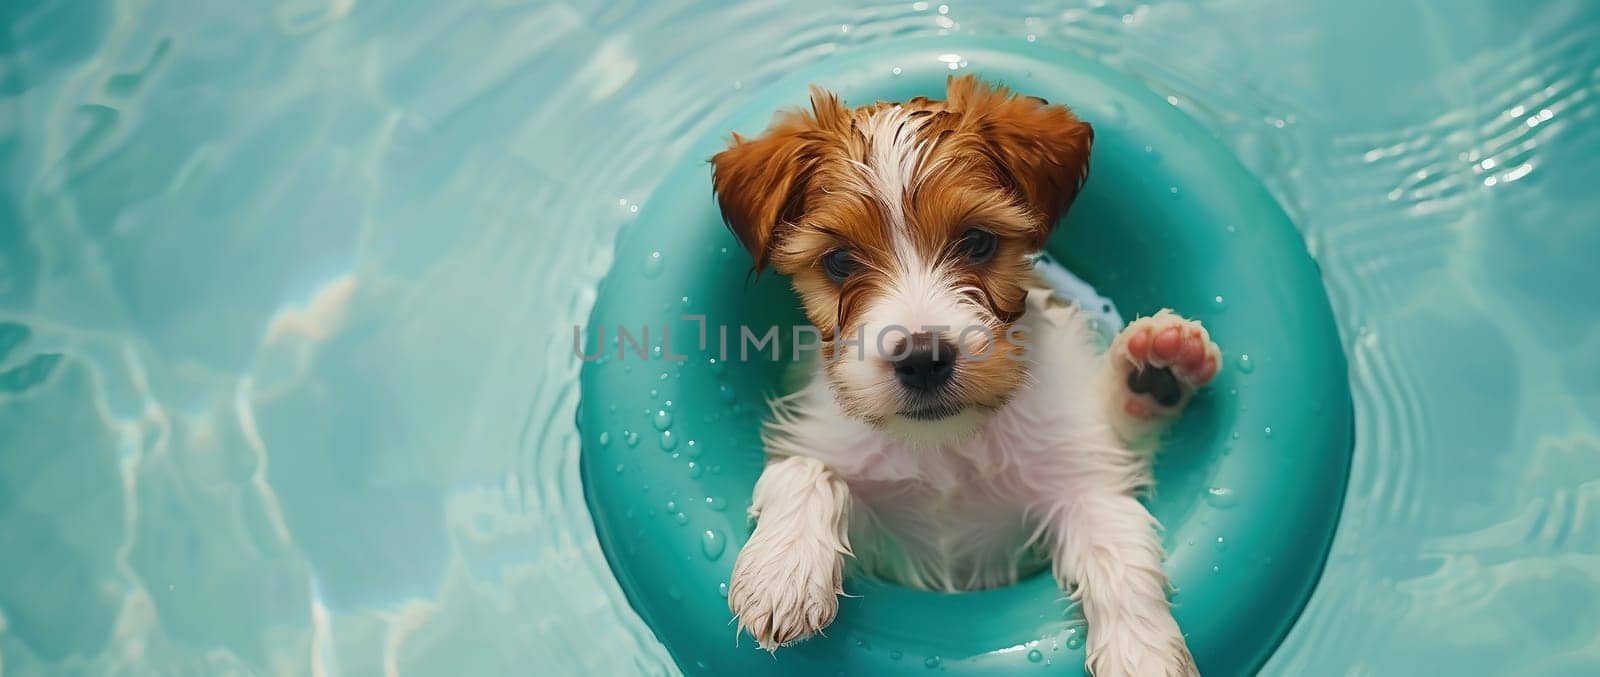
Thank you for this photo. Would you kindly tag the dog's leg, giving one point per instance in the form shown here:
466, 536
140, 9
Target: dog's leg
1153, 368
1105, 545
786, 581
1106, 553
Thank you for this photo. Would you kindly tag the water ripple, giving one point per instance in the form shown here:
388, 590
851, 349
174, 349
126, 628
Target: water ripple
295, 286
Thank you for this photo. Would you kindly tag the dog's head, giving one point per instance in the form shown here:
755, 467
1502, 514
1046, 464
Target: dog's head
906, 229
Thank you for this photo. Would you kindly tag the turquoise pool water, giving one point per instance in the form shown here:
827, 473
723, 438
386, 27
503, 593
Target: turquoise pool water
286, 296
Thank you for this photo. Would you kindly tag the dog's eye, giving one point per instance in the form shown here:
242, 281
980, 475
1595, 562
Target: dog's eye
977, 246
838, 264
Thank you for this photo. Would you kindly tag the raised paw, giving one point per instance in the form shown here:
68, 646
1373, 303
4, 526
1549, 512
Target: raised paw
784, 594
1162, 360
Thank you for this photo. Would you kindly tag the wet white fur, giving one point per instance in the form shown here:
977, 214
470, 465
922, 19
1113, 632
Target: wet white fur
1055, 472
891, 164
788, 576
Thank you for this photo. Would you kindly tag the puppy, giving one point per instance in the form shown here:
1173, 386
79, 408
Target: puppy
960, 426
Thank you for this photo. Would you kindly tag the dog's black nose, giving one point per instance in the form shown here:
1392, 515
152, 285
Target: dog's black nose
926, 364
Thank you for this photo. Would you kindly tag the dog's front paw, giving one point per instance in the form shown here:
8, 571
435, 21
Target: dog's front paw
784, 594
1145, 648
1164, 358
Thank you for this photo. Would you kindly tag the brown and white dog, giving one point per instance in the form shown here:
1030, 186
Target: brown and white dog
961, 425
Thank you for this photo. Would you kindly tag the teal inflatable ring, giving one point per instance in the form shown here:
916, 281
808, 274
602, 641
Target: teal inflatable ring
1249, 484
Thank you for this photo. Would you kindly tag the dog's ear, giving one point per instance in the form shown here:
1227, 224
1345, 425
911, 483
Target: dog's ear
761, 183
1041, 152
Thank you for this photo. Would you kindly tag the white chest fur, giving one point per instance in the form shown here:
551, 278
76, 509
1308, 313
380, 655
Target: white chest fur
962, 514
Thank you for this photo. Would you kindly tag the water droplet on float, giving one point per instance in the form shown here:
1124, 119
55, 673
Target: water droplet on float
696, 470
668, 441
693, 450
863, 644
722, 589
663, 419
652, 264
632, 438
605, 438
1219, 545
620, 468
672, 506
716, 503
895, 654
1035, 656
725, 392
1245, 365
712, 544
1221, 498
932, 662
895, 71
1216, 569
1075, 641
680, 518
1219, 303
1267, 432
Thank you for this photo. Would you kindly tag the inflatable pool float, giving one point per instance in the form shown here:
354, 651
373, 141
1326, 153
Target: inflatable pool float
1249, 484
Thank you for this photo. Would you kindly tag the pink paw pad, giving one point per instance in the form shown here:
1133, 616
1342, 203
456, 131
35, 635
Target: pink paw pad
1164, 358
